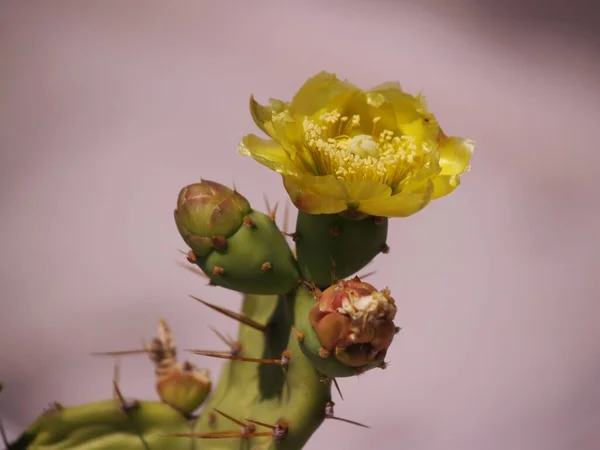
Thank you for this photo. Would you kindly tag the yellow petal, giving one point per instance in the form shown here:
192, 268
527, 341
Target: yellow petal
455, 154
402, 204
262, 116
348, 191
317, 92
268, 153
444, 185
309, 202
386, 85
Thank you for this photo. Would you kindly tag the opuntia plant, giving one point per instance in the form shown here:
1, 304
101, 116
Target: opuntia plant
350, 159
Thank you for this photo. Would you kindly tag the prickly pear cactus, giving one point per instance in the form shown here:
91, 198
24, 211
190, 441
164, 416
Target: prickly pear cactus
350, 160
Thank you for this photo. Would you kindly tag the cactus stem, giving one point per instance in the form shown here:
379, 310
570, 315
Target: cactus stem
329, 414
284, 361
386, 249
218, 270
334, 231
266, 266
219, 242
242, 318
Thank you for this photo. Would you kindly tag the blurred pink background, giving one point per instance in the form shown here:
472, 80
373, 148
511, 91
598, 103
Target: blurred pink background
109, 107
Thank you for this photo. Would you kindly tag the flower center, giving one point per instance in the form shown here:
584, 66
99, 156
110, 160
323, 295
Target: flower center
337, 145
363, 145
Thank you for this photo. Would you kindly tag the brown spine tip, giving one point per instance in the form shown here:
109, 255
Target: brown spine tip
219, 242
266, 266
248, 222
191, 257
397, 330
218, 270
334, 231
299, 334
386, 249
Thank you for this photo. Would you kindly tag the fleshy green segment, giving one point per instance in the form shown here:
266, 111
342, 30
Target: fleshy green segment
246, 390
331, 246
103, 426
266, 392
256, 259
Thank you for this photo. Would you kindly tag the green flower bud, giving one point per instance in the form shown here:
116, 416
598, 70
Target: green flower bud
207, 212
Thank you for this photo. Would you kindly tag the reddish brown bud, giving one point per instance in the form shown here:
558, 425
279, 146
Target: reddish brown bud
354, 322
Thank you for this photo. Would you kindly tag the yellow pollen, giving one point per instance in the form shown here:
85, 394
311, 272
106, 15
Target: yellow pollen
339, 150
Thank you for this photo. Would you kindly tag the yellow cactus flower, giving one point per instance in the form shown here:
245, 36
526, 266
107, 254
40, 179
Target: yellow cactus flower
343, 149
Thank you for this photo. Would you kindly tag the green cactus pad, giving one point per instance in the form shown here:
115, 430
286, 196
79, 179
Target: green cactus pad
256, 259
246, 390
266, 392
330, 245
310, 345
103, 426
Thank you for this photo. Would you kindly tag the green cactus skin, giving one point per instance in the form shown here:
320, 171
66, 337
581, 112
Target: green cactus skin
266, 392
235, 246
276, 296
246, 390
332, 246
255, 260
103, 426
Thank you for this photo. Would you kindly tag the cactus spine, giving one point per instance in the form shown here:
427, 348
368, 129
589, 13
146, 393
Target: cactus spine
350, 160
